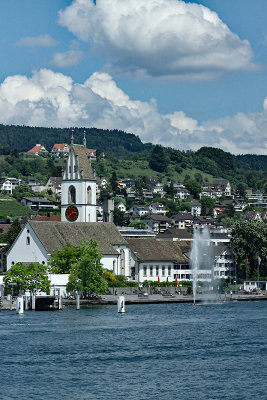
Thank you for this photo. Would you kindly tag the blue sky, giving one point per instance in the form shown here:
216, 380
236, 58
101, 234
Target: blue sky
182, 74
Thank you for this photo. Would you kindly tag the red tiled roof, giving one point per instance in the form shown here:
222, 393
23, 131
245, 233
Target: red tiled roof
56, 218
60, 146
38, 148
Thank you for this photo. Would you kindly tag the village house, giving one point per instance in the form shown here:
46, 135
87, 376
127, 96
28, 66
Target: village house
195, 208
54, 184
182, 220
37, 203
204, 221
121, 206
158, 189
60, 149
181, 193
139, 210
221, 187
157, 208
174, 234
8, 184
37, 149
157, 223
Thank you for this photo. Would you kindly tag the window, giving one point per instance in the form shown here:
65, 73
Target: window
169, 270
28, 240
72, 195
163, 270
89, 195
151, 270
157, 271
145, 269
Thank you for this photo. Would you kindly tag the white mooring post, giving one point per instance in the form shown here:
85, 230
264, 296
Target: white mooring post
26, 300
77, 300
10, 302
121, 304
33, 301
20, 305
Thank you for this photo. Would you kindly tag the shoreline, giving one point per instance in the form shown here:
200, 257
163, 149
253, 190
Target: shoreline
111, 300
159, 299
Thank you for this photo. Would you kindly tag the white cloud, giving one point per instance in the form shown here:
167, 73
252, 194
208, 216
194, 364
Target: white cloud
33, 41
71, 57
67, 59
158, 38
53, 99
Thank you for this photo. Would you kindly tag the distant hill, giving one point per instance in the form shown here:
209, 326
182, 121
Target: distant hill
116, 143
248, 169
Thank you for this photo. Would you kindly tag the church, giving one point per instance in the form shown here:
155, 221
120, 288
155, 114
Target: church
39, 239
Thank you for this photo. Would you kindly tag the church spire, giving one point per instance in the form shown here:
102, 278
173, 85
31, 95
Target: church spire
84, 139
72, 138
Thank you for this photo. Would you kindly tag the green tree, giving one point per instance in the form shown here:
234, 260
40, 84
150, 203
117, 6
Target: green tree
114, 183
13, 232
63, 259
158, 160
118, 217
250, 242
137, 224
207, 205
28, 277
194, 187
87, 274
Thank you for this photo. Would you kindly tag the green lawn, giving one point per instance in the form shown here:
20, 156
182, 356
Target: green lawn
12, 208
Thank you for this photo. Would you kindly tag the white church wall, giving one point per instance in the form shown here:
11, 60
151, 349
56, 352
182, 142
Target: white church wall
26, 248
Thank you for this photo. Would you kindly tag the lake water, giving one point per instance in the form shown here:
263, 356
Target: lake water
165, 351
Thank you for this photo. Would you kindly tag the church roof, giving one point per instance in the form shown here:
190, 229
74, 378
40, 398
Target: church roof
55, 235
154, 250
83, 162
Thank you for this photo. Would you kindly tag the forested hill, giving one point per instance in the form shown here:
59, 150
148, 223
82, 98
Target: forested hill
114, 142
248, 169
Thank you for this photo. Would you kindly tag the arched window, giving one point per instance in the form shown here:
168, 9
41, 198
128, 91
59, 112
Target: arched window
72, 195
89, 195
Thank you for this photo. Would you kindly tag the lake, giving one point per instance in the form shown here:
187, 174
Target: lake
160, 351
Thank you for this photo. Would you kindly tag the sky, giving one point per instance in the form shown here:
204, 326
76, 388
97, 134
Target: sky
176, 73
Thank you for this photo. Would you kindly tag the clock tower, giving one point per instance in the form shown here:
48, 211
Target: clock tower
78, 187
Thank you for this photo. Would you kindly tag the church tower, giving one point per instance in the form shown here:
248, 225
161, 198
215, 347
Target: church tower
78, 187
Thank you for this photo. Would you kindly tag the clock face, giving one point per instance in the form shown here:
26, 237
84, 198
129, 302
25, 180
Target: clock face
72, 213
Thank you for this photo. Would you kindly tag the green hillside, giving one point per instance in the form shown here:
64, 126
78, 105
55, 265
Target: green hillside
128, 157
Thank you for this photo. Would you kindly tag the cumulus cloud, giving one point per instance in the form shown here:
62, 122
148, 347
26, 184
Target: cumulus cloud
158, 38
37, 41
53, 99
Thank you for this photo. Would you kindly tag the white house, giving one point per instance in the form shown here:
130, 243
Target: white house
224, 262
195, 208
153, 260
157, 208
38, 240
8, 184
139, 210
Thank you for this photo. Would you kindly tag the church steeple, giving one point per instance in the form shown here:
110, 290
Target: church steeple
84, 139
71, 139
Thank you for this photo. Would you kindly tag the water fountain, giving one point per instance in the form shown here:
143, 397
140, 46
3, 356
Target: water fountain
200, 255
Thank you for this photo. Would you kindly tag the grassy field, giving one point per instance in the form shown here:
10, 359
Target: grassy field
11, 208
136, 169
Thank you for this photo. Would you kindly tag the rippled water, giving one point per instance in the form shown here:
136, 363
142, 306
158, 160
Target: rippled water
166, 351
